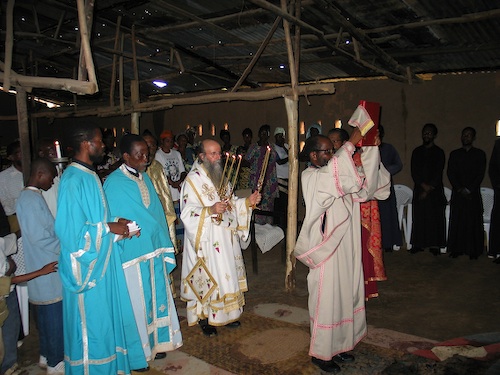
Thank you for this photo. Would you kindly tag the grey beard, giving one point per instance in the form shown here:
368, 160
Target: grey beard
214, 171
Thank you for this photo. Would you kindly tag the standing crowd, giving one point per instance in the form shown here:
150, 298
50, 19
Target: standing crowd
100, 239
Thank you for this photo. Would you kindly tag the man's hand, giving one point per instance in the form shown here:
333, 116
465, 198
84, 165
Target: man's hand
119, 227
255, 198
376, 140
218, 208
355, 136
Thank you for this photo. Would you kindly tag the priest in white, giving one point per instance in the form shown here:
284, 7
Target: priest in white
213, 272
330, 244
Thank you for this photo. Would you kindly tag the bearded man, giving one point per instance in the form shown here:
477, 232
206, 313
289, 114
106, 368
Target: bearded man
213, 272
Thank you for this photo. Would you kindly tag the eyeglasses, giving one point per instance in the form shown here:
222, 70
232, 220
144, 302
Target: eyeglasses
215, 153
329, 151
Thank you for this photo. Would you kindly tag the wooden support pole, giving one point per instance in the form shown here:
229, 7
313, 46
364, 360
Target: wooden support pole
134, 55
134, 93
24, 134
83, 13
120, 75
113, 70
9, 43
296, 46
292, 111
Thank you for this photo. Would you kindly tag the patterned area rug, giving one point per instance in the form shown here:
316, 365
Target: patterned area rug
270, 346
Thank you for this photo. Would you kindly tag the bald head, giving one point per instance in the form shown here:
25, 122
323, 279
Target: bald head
210, 148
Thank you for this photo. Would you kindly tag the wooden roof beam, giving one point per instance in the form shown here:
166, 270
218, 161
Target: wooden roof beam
200, 21
396, 75
257, 55
361, 38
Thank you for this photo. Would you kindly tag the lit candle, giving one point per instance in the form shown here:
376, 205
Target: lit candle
224, 171
236, 174
58, 150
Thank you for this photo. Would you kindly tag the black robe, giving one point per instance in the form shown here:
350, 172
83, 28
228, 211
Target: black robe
494, 172
391, 234
466, 172
429, 228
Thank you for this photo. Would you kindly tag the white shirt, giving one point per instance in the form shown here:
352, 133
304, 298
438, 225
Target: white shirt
173, 166
11, 185
282, 170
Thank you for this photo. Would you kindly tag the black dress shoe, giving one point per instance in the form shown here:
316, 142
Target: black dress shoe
207, 329
344, 358
415, 250
160, 355
327, 366
235, 324
434, 251
145, 369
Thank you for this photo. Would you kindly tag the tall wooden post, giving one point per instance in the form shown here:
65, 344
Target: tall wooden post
24, 133
292, 111
134, 93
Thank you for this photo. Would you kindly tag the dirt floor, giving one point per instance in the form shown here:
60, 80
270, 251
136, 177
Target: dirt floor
434, 297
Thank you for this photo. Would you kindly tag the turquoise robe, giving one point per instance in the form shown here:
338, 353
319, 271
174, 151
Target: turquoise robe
147, 260
100, 335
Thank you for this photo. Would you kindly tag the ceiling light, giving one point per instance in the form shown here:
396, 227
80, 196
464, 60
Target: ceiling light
160, 84
282, 66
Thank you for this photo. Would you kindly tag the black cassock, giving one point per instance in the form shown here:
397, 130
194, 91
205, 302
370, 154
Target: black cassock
466, 172
429, 228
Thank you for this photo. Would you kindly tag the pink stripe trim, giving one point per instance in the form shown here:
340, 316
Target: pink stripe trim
335, 175
320, 287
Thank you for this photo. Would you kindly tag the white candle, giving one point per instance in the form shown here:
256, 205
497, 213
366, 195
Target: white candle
58, 150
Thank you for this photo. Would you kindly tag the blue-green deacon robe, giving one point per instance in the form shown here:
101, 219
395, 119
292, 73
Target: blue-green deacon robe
100, 334
147, 260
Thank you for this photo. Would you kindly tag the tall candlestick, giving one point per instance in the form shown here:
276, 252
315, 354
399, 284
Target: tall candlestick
58, 149
260, 182
233, 184
224, 171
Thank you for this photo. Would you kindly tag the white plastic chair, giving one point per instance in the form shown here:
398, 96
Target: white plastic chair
404, 196
487, 197
447, 194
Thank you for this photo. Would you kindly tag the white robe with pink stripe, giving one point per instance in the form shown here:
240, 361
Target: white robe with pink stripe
333, 251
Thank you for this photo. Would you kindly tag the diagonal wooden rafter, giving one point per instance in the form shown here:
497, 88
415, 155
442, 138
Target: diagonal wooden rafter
195, 18
361, 38
257, 55
397, 73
